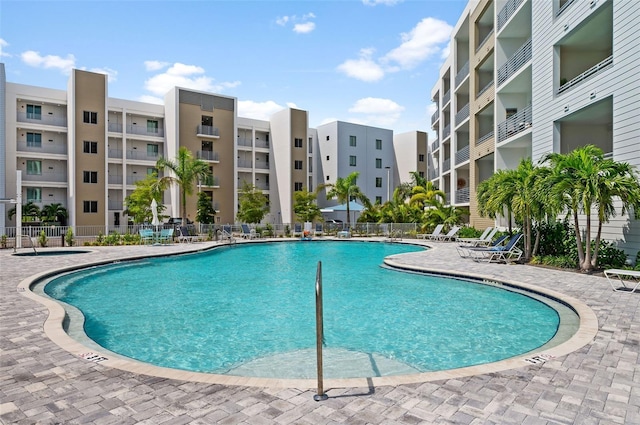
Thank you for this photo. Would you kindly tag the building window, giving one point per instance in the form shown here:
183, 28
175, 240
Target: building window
152, 150
152, 126
352, 140
379, 144
151, 170
34, 168
90, 117
297, 143
34, 112
378, 181
378, 200
378, 162
90, 177
297, 165
352, 160
421, 158
297, 186
90, 206
34, 140
34, 194
90, 147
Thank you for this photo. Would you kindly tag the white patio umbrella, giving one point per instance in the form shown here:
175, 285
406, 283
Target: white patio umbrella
154, 211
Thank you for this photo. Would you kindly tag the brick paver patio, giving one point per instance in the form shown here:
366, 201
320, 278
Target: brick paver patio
42, 383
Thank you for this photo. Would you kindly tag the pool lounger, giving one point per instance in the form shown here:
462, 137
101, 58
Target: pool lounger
623, 276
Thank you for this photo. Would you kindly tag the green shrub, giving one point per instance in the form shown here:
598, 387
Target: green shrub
68, 237
468, 232
43, 239
130, 239
112, 239
100, 239
610, 257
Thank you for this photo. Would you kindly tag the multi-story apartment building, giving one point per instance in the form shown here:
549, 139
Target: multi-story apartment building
526, 78
84, 150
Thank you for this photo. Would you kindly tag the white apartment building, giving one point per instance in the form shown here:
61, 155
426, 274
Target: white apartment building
526, 78
85, 150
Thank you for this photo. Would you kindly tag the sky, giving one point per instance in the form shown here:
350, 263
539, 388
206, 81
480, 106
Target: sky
370, 62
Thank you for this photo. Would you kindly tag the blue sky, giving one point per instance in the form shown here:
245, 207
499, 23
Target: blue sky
366, 61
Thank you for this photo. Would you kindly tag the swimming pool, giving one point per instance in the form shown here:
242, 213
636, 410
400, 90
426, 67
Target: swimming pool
249, 310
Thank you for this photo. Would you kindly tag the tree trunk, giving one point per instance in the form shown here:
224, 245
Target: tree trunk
537, 243
576, 228
594, 259
586, 265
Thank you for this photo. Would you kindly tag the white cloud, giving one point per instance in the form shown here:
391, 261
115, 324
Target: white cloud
377, 2
155, 65
377, 111
3, 44
304, 28
33, 58
187, 76
112, 74
422, 42
301, 25
258, 110
364, 68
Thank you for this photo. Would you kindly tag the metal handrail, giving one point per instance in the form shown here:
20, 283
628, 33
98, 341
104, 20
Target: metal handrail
515, 124
484, 138
462, 114
446, 165
564, 7
586, 74
484, 40
446, 132
515, 62
446, 98
507, 11
462, 74
462, 155
319, 335
484, 89
435, 117
462, 195
207, 130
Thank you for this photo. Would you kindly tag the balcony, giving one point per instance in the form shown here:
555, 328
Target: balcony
462, 74
446, 132
433, 174
462, 155
44, 148
45, 177
435, 145
245, 163
515, 62
142, 155
261, 165
262, 144
244, 142
485, 138
208, 131
485, 88
515, 124
208, 156
586, 74
115, 205
115, 179
58, 121
434, 117
115, 127
484, 40
462, 114
564, 7
115, 153
507, 11
462, 196
446, 98
210, 181
143, 130
446, 165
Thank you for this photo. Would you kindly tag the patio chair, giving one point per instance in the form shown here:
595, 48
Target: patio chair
450, 236
184, 235
227, 234
319, 231
485, 238
146, 236
297, 229
166, 235
248, 233
624, 277
436, 232
508, 252
464, 249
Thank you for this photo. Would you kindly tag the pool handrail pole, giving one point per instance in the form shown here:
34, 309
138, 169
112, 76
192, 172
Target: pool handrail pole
319, 334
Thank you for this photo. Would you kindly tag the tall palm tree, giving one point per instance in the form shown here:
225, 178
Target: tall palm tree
186, 171
28, 210
493, 198
344, 190
54, 212
426, 194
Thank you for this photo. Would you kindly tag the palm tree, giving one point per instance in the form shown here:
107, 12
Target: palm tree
426, 194
492, 197
346, 189
583, 180
54, 212
28, 210
186, 171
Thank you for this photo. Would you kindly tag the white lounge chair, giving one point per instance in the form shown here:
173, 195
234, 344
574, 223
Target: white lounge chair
485, 238
464, 250
248, 233
450, 236
297, 230
508, 252
319, 230
632, 277
436, 232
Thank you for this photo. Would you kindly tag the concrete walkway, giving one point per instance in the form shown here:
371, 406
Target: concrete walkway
599, 383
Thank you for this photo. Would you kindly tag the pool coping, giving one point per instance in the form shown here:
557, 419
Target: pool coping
53, 328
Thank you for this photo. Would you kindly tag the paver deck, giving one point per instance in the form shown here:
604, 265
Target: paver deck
599, 383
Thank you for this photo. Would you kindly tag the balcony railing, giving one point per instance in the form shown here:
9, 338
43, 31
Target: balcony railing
462, 155
245, 163
115, 205
435, 145
515, 124
262, 165
462, 196
143, 130
244, 142
262, 144
114, 179
58, 121
45, 177
115, 153
210, 181
433, 174
136, 178
484, 40
485, 88
446, 132
586, 74
515, 62
208, 155
485, 138
44, 148
462, 114
143, 155
115, 127
507, 11
435, 116
446, 165
564, 7
207, 130
462, 74
446, 98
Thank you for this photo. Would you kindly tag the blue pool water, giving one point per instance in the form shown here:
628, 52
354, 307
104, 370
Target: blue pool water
250, 310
